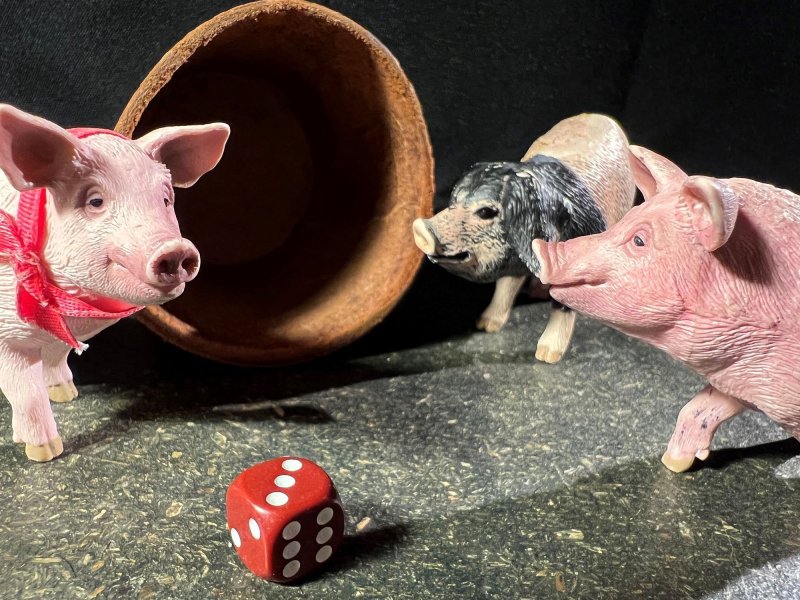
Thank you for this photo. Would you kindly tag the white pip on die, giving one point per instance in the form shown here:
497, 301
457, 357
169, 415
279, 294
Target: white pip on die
285, 518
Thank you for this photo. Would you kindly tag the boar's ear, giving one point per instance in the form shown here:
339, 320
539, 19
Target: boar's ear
33, 151
653, 173
712, 210
189, 152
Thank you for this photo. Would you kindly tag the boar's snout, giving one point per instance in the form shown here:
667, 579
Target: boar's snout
173, 263
424, 237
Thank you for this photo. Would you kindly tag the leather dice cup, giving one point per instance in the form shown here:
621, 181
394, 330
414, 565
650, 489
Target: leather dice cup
285, 518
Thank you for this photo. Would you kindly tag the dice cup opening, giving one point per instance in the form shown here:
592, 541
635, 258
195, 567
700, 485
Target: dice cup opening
304, 226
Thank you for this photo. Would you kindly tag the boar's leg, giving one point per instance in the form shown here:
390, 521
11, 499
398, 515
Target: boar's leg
497, 313
557, 335
697, 423
22, 382
57, 376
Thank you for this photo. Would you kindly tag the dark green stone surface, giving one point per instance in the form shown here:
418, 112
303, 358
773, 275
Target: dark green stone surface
483, 475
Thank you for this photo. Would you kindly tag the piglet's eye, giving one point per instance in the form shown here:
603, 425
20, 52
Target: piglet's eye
166, 201
96, 202
638, 241
486, 212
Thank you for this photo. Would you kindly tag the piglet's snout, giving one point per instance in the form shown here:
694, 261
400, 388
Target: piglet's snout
173, 263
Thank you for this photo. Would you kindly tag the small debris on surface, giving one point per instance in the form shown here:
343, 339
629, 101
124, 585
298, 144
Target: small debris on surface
174, 509
569, 534
97, 591
363, 524
560, 585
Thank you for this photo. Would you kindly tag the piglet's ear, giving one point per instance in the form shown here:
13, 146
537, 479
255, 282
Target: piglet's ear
712, 210
189, 152
653, 173
33, 151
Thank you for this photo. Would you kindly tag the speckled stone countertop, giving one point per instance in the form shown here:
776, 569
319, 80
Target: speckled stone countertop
482, 475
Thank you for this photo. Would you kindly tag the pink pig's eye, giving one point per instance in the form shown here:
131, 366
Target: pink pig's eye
638, 241
96, 202
166, 201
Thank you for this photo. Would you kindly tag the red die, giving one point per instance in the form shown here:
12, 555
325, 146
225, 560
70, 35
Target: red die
284, 517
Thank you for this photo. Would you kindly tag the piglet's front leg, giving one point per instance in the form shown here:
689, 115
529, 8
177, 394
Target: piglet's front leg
499, 309
22, 382
57, 375
697, 423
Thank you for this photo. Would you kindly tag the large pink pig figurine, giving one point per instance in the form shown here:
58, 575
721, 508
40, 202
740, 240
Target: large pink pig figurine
709, 271
88, 235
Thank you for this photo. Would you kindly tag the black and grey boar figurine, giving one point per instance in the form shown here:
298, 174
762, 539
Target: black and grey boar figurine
574, 180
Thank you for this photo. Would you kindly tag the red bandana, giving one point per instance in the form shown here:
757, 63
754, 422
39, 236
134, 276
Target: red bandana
40, 301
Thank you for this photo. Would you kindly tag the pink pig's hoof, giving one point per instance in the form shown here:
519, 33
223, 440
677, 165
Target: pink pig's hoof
45, 452
62, 392
677, 465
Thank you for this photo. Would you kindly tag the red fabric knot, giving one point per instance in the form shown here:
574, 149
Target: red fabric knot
39, 300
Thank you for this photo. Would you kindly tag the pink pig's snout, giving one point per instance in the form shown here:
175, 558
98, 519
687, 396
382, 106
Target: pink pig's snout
567, 263
547, 255
173, 263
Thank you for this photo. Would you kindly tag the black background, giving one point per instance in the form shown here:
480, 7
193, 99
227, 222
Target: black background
712, 85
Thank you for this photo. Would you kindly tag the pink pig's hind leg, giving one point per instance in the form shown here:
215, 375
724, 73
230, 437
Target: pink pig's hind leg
22, 382
697, 423
57, 376
497, 313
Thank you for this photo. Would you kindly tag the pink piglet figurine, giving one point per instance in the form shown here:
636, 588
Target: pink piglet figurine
88, 235
709, 271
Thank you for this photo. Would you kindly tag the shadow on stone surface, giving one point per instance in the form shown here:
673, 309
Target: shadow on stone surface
438, 306
634, 531
723, 457
360, 548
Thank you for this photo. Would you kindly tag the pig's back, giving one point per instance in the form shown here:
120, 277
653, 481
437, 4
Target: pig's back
596, 149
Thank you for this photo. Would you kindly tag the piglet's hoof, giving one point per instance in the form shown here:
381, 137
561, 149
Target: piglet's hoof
490, 324
547, 354
63, 392
45, 452
677, 465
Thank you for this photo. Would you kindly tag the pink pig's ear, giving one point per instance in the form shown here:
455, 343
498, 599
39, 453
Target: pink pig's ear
33, 151
189, 152
653, 173
712, 210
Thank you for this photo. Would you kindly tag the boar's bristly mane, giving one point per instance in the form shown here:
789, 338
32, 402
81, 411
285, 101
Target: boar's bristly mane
542, 198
